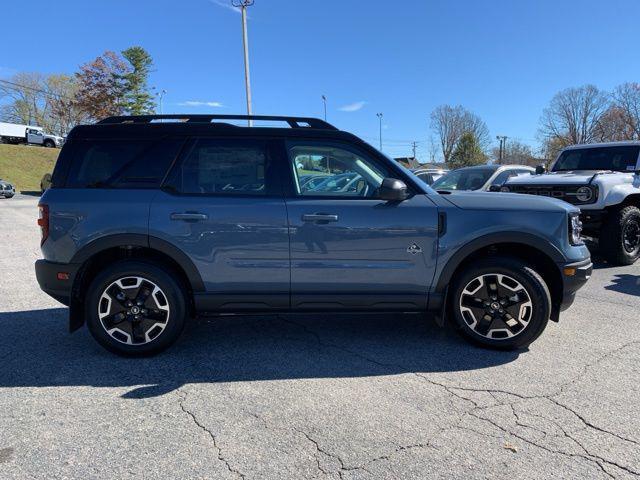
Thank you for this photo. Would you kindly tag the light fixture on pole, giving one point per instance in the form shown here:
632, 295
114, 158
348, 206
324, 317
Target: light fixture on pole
242, 5
379, 115
162, 94
324, 101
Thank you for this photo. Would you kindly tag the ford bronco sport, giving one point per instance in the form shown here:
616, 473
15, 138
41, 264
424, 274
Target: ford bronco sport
604, 181
151, 220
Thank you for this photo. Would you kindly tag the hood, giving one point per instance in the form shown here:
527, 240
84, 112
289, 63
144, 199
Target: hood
507, 202
553, 178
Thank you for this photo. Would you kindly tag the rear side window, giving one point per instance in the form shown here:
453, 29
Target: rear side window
222, 167
121, 163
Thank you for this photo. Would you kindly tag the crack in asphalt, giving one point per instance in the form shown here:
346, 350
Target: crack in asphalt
597, 460
182, 395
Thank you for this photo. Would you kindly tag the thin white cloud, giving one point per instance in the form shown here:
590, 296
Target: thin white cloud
199, 103
225, 4
353, 107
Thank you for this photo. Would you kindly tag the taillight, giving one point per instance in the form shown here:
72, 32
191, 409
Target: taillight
43, 221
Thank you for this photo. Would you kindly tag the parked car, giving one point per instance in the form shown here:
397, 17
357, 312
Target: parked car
148, 223
17, 133
7, 190
429, 175
604, 181
481, 177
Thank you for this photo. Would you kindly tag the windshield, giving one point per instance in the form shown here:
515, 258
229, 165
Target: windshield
619, 158
463, 179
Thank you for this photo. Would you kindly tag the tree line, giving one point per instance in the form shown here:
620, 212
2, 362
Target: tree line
112, 84
575, 115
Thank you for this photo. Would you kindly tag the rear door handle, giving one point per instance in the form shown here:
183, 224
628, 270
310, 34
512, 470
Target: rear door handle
189, 216
319, 217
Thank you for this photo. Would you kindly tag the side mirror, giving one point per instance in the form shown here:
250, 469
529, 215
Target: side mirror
393, 190
540, 169
494, 188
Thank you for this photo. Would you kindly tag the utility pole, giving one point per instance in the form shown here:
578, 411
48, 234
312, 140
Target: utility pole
162, 94
379, 115
414, 145
503, 143
324, 101
242, 5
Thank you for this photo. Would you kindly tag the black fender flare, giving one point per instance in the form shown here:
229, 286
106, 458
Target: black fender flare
531, 240
145, 241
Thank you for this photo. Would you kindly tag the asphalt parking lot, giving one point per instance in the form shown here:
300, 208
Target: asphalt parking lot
345, 397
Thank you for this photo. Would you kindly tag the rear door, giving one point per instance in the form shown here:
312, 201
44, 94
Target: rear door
222, 206
349, 249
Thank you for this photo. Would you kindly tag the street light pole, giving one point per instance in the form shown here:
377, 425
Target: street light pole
324, 101
162, 94
503, 143
242, 5
379, 115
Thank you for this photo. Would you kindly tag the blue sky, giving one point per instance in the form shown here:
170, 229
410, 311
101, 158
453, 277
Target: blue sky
502, 59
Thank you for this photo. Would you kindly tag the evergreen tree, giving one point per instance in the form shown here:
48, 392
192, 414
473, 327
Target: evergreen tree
467, 152
137, 97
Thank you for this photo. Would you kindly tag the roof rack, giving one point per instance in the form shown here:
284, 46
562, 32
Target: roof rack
294, 122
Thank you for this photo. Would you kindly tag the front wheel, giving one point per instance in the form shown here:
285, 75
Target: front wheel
500, 302
49, 144
620, 236
135, 308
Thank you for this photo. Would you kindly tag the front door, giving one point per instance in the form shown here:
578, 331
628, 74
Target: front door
349, 249
223, 207
35, 136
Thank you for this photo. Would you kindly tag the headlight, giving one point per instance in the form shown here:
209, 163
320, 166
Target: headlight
575, 229
505, 189
584, 194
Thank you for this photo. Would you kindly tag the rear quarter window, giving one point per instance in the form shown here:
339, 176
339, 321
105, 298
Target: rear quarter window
126, 163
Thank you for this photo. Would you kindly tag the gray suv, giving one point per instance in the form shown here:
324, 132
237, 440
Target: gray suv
151, 220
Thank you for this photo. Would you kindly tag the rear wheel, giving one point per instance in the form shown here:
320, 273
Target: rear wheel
135, 308
620, 236
500, 302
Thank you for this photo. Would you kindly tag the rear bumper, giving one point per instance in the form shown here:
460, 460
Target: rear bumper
53, 284
574, 276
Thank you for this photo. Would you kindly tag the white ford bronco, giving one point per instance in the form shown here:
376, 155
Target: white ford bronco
603, 180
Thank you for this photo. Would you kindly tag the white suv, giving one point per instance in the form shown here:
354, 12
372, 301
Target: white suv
604, 181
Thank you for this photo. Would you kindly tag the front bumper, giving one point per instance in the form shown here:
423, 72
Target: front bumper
592, 220
56, 279
574, 276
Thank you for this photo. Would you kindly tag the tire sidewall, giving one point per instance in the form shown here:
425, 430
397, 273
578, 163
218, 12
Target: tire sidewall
626, 216
532, 283
161, 277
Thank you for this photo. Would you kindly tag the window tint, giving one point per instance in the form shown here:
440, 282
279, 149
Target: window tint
326, 170
425, 177
121, 163
223, 167
504, 176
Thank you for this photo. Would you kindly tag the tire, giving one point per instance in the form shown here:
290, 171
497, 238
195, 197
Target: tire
616, 243
49, 144
485, 323
111, 318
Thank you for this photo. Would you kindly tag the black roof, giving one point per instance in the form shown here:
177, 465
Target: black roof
198, 124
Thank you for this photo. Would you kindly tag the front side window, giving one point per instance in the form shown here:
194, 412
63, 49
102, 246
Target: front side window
618, 158
222, 167
333, 171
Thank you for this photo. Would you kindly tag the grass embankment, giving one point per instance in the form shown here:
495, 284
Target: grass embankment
24, 165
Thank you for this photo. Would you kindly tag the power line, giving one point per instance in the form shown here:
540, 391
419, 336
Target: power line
17, 86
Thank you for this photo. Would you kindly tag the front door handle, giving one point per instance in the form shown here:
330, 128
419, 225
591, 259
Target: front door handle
189, 216
319, 217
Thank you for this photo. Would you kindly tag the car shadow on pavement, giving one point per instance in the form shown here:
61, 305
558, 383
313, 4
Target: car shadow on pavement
37, 351
625, 283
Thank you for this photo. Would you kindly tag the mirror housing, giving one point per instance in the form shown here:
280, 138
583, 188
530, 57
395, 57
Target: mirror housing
540, 169
393, 190
494, 188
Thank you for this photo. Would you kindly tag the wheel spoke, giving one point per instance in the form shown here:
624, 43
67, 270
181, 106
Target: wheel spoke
157, 315
118, 295
138, 331
112, 321
145, 290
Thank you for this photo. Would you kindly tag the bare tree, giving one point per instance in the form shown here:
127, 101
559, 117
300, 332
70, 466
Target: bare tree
65, 112
626, 99
614, 125
515, 152
573, 115
450, 123
24, 98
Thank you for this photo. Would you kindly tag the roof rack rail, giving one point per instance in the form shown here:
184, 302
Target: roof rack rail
294, 122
